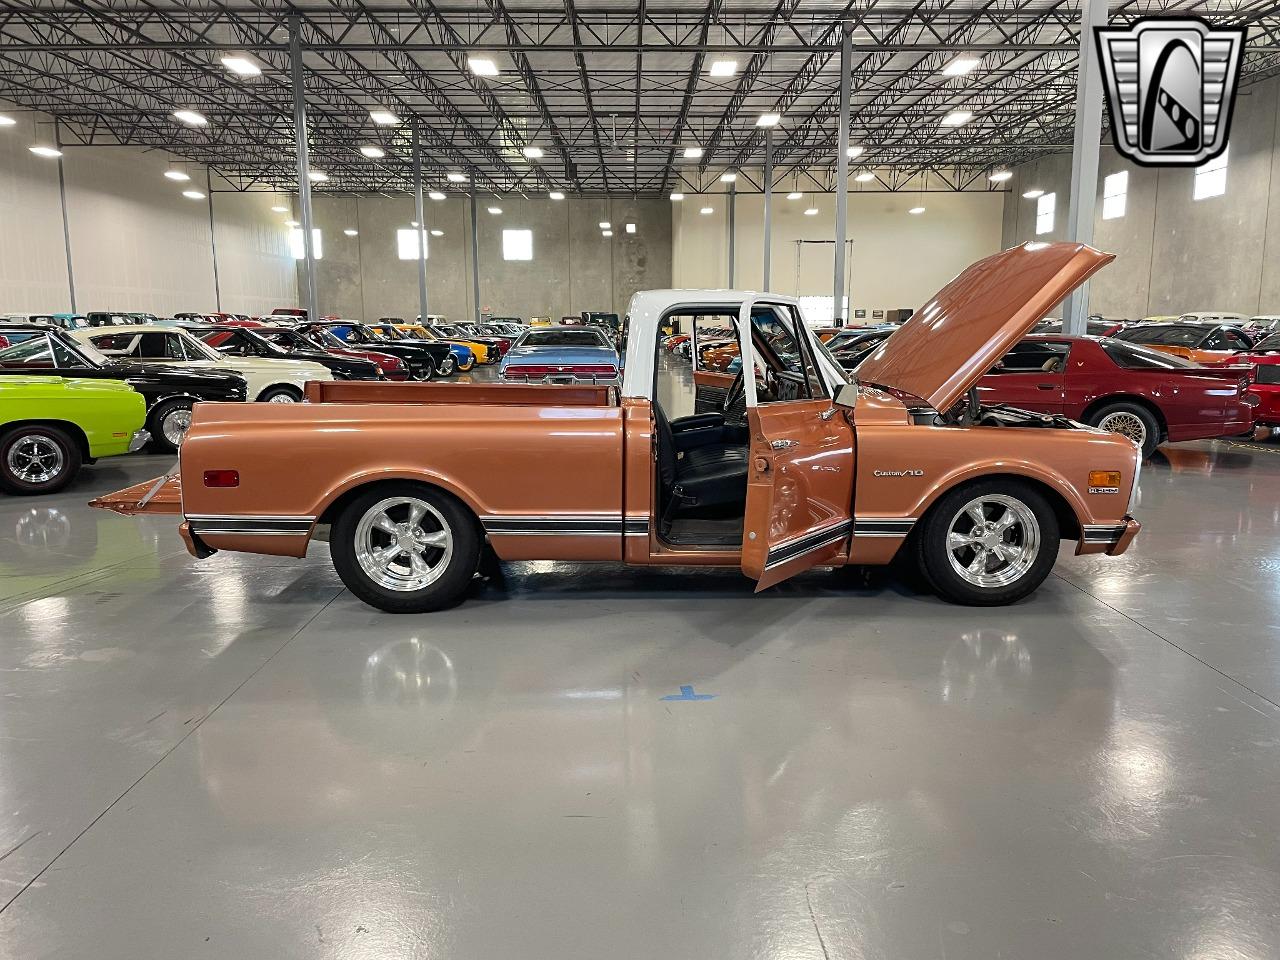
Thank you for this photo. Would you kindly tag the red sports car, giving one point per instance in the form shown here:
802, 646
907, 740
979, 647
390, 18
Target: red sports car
1146, 395
1265, 361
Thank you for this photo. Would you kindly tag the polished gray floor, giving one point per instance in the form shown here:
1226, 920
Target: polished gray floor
235, 759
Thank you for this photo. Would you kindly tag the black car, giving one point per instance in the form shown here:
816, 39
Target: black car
425, 360
281, 344
170, 390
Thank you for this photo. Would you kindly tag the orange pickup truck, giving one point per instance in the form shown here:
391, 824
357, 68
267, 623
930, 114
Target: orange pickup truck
802, 467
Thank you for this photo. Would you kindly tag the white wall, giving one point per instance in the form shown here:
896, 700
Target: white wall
898, 260
136, 242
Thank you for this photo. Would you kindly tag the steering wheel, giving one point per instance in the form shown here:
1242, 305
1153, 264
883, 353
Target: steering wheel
736, 395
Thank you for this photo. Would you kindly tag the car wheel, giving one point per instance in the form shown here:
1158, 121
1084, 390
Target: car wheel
448, 365
280, 395
37, 459
1129, 420
988, 543
406, 548
168, 423
426, 372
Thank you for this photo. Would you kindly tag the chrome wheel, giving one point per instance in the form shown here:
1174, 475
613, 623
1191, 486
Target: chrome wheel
35, 458
403, 544
993, 540
175, 425
284, 396
447, 365
1127, 425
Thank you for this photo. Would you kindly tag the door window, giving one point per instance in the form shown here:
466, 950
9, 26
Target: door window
1034, 357
790, 372
1217, 341
1235, 341
715, 343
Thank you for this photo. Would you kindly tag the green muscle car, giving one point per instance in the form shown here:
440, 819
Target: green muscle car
49, 426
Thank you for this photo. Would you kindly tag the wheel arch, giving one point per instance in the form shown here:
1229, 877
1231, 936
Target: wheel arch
1069, 523
74, 430
1134, 398
338, 498
280, 384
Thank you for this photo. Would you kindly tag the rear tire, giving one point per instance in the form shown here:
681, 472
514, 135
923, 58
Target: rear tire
37, 459
280, 395
168, 423
406, 547
997, 560
1129, 420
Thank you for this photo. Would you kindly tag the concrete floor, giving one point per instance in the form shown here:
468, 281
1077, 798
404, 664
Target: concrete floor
235, 759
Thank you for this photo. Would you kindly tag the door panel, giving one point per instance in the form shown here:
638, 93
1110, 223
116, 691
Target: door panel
799, 489
1041, 392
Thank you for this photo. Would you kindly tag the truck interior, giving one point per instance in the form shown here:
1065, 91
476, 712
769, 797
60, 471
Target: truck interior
702, 458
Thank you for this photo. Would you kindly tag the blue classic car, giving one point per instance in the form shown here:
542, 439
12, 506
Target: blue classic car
561, 355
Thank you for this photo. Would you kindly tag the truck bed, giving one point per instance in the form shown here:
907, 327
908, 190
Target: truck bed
510, 394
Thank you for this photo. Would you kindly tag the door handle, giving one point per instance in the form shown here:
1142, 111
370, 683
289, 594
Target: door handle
1046, 386
783, 444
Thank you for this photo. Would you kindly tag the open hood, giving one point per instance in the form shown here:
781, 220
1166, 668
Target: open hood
946, 347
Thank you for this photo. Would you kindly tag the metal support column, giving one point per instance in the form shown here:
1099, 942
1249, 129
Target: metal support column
304, 163
1084, 156
475, 252
733, 195
842, 176
213, 240
66, 223
422, 225
768, 204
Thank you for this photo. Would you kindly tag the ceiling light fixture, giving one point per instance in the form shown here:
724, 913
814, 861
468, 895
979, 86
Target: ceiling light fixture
957, 118
384, 118
436, 195
437, 233
190, 118
916, 211
1033, 193
317, 176
866, 176
193, 194
677, 196
795, 195
605, 225
40, 150
692, 153
556, 195
372, 152
351, 233
706, 210
456, 177
854, 152
631, 228
728, 177
769, 120
176, 175
811, 212
606, 233
532, 153
242, 65
495, 210
723, 68
960, 66
278, 209
482, 66
1000, 176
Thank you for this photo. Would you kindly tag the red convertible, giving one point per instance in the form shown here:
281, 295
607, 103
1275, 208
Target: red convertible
1146, 395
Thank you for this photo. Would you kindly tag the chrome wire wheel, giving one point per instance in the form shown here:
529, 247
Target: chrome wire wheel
175, 425
1126, 424
403, 543
284, 396
35, 458
993, 540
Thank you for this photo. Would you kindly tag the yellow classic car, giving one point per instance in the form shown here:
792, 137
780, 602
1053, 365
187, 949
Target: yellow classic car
422, 333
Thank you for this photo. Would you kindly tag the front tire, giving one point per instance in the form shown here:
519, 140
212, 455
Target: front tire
37, 459
1129, 420
988, 543
168, 423
448, 365
406, 548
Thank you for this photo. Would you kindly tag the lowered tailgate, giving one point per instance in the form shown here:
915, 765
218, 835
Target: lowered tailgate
159, 495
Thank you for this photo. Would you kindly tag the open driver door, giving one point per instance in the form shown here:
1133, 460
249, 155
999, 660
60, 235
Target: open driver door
800, 471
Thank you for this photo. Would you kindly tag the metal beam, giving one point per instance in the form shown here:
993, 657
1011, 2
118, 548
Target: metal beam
1084, 157
213, 240
842, 175
475, 254
422, 225
768, 205
303, 164
733, 196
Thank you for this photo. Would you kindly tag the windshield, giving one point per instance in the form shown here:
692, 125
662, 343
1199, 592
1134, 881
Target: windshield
386, 331
562, 338
198, 348
1270, 343
286, 339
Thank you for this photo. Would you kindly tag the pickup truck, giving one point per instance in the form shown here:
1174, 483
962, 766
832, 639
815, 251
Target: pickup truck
803, 466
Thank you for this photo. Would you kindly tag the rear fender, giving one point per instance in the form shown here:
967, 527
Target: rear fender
325, 510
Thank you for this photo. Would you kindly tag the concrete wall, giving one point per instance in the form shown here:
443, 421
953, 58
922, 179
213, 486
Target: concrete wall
573, 268
897, 259
136, 242
1175, 254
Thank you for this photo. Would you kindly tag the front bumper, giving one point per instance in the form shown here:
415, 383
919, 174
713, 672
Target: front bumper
139, 440
1109, 538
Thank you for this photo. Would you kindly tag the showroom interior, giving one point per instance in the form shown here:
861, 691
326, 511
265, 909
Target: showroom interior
850, 429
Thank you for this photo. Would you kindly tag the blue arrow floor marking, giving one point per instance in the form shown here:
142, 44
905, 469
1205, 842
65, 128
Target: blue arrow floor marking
686, 693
